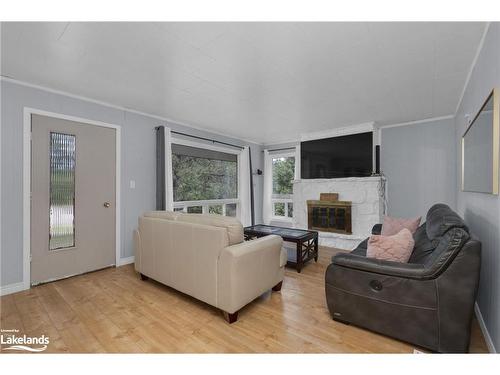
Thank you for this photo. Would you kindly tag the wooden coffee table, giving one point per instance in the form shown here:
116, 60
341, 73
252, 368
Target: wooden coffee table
306, 241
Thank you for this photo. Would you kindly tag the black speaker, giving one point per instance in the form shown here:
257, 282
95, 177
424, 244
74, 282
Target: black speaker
377, 159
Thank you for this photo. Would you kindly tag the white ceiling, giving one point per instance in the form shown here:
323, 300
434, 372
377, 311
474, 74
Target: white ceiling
266, 82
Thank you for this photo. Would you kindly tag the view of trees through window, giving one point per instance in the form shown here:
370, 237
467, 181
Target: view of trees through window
283, 175
198, 178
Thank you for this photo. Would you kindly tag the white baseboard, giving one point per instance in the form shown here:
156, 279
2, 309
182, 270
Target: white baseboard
124, 261
11, 288
482, 325
17, 287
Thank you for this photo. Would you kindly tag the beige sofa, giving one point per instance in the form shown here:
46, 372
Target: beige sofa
206, 257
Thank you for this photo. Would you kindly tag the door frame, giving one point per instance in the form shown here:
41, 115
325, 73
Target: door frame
27, 183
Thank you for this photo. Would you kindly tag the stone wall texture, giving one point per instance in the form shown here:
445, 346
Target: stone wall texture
367, 206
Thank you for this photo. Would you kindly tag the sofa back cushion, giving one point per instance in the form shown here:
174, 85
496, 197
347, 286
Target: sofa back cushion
448, 246
396, 248
439, 239
232, 225
424, 247
440, 219
167, 215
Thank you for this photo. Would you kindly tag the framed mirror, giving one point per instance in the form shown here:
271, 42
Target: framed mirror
481, 147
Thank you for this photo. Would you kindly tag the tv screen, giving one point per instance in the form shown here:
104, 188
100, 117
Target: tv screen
344, 156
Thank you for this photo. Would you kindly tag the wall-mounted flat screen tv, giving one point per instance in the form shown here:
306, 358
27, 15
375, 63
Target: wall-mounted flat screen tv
344, 156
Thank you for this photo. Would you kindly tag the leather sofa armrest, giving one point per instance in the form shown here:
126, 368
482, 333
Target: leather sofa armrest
247, 270
268, 245
382, 267
377, 229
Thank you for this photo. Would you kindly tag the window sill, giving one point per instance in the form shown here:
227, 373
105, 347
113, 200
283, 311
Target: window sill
282, 219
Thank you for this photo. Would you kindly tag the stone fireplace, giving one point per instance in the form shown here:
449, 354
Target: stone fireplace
328, 214
366, 208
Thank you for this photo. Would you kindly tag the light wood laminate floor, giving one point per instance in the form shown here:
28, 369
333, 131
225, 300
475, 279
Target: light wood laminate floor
112, 310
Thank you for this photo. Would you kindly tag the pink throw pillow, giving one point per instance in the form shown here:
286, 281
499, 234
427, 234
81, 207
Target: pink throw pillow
393, 225
397, 248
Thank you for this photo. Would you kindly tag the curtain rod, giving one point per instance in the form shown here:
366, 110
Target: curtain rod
281, 149
207, 139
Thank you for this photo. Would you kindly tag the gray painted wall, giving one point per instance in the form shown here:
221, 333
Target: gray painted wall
138, 163
419, 163
482, 211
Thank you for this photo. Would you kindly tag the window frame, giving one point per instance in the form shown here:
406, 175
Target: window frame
183, 205
284, 198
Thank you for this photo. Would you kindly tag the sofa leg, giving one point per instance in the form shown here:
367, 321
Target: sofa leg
144, 277
277, 287
231, 318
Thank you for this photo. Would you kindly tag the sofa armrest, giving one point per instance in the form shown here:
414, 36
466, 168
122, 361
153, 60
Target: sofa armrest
270, 246
377, 229
382, 267
247, 270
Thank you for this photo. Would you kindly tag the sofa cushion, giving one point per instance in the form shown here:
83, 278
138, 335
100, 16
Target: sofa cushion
423, 246
440, 219
232, 225
448, 246
168, 215
396, 248
393, 225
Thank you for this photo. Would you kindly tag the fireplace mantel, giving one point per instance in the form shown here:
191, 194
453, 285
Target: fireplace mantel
341, 179
367, 206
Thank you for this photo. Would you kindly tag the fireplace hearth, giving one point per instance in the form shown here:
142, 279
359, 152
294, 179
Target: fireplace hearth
328, 214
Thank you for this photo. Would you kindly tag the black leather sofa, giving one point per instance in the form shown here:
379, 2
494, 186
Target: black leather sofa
428, 301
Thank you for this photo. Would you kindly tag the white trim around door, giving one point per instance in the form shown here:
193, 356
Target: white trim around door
27, 184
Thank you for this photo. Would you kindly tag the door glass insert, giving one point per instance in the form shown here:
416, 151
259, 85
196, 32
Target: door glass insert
62, 191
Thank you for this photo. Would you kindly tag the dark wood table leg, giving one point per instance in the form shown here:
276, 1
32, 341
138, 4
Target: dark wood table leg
277, 287
231, 318
316, 249
300, 261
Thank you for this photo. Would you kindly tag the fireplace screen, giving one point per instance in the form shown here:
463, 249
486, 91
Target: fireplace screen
330, 216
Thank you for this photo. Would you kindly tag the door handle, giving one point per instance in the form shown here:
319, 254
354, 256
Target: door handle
106, 204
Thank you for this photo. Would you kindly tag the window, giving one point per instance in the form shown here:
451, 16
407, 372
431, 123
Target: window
195, 209
204, 180
62, 191
283, 176
231, 209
